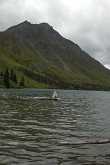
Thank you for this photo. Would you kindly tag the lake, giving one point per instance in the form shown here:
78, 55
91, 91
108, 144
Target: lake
40, 132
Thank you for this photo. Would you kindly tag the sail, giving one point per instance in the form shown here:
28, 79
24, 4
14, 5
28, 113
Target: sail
55, 95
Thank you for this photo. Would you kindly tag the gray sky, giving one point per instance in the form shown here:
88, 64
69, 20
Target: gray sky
85, 22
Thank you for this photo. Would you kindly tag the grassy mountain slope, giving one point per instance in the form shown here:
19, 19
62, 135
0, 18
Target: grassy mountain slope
46, 59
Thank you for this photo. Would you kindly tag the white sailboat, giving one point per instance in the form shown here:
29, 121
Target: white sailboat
53, 97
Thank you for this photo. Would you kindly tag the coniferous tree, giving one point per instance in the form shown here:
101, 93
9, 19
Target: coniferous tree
22, 82
7, 79
1, 74
13, 76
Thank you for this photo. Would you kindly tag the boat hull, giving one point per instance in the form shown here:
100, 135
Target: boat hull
46, 98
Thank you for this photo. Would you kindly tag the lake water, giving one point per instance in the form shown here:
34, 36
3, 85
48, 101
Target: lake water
40, 132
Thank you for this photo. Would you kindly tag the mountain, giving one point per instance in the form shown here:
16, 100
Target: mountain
45, 59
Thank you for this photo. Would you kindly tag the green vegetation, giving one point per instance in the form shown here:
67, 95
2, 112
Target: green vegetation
6, 78
36, 56
9, 79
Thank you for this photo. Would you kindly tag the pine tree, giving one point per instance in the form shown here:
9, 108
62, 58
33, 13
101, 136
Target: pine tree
7, 79
13, 76
22, 82
1, 74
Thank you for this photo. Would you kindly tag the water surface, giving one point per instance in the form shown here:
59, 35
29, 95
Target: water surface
40, 132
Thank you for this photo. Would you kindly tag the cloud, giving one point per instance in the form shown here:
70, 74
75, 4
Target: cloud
85, 22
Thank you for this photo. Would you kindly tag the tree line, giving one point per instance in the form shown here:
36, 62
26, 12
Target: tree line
9, 77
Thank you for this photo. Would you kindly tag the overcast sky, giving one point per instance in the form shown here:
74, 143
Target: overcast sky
85, 22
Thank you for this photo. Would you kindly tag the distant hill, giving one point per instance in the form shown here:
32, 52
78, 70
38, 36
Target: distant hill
47, 60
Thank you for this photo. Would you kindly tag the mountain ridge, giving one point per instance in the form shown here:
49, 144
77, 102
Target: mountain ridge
46, 59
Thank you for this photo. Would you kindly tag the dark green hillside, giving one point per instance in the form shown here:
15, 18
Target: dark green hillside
47, 60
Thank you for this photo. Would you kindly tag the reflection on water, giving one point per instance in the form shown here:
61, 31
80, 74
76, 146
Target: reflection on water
34, 131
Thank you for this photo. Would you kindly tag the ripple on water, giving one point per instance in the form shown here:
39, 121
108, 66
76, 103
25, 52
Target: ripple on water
35, 131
